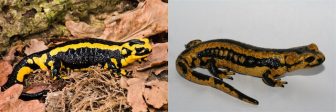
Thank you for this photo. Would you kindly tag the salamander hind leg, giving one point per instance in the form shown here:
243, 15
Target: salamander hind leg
270, 80
220, 74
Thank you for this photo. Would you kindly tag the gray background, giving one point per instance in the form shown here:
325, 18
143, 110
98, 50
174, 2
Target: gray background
264, 23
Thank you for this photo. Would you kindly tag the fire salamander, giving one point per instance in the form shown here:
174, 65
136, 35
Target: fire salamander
77, 54
236, 57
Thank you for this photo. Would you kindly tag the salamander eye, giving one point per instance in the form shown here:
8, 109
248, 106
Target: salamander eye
139, 49
310, 59
135, 41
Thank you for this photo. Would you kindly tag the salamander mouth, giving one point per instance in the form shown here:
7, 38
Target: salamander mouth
313, 65
319, 62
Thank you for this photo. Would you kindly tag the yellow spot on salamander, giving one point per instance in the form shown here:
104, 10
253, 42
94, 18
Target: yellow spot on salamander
62, 66
40, 61
113, 60
123, 72
124, 62
242, 59
22, 72
30, 61
106, 66
51, 63
124, 51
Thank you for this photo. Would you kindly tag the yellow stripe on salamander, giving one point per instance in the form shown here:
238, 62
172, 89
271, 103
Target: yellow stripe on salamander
22, 72
113, 60
51, 63
40, 61
123, 72
124, 62
30, 61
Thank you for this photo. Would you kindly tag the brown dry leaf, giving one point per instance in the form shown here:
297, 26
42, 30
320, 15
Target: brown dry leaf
141, 74
10, 55
36, 88
5, 69
54, 102
35, 46
123, 82
149, 18
135, 73
135, 93
10, 103
158, 57
81, 29
159, 70
157, 94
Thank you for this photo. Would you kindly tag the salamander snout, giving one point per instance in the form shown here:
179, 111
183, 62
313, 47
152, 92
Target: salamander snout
318, 60
315, 57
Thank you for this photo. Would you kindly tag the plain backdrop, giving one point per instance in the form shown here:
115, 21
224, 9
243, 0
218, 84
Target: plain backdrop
264, 23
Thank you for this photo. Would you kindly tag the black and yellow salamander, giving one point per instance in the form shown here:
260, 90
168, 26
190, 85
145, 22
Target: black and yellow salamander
77, 54
236, 57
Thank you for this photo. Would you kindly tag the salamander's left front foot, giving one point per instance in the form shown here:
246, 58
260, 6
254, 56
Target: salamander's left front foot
271, 81
275, 83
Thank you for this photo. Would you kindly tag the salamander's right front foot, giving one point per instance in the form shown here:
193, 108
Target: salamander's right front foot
271, 81
279, 83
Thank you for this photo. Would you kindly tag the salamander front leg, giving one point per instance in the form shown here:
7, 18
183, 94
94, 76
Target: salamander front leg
117, 71
270, 80
55, 70
219, 73
124, 72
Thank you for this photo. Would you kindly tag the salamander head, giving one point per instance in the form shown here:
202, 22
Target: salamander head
310, 56
193, 43
137, 49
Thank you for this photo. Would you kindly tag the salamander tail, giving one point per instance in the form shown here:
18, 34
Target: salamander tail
31, 96
221, 85
199, 78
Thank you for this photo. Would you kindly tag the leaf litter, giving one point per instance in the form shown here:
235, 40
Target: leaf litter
148, 19
10, 101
